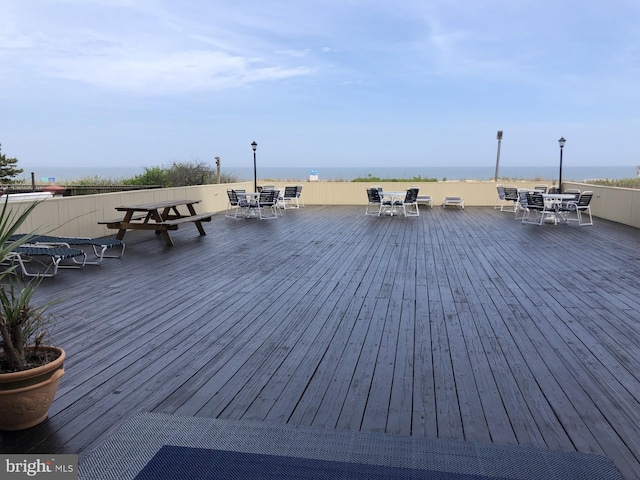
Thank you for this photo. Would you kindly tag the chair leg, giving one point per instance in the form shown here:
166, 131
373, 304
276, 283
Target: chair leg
370, 211
261, 212
538, 220
411, 213
580, 213
228, 214
50, 270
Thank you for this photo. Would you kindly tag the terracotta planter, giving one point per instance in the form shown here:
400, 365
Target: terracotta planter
25, 397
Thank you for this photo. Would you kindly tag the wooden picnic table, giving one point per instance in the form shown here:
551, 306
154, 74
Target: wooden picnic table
159, 216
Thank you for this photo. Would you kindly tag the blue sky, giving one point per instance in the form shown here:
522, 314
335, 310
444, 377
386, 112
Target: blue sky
319, 82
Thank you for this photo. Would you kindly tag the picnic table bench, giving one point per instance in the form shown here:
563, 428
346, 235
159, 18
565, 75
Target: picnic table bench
159, 216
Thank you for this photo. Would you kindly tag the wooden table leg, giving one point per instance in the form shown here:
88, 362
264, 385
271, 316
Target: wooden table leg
192, 212
122, 231
200, 227
155, 215
167, 238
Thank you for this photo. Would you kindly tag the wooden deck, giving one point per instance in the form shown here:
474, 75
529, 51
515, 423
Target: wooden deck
458, 324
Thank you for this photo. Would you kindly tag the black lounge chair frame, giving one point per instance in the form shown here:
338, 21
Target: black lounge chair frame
98, 245
26, 254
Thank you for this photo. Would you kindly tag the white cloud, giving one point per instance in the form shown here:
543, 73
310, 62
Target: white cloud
175, 73
294, 53
139, 48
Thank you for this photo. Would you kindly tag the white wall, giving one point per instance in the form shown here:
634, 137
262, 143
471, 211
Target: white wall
79, 216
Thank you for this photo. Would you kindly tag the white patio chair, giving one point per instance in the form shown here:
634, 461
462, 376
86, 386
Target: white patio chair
537, 205
522, 209
510, 195
290, 197
265, 205
411, 201
376, 204
237, 204
580, 208
500, 200
299, 195
576, 196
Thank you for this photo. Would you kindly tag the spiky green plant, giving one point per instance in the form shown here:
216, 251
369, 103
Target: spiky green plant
21, 322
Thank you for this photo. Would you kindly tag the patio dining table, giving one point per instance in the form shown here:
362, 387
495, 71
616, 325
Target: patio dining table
253, 199
393, 198
555, 201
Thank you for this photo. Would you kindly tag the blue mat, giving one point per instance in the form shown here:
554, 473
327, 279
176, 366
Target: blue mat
164, 447
179, 463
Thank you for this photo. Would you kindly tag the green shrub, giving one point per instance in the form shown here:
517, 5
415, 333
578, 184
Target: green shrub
151, 176
633, 182
370, 178
180, 174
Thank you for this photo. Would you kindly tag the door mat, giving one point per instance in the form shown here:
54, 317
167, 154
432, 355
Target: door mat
159, 446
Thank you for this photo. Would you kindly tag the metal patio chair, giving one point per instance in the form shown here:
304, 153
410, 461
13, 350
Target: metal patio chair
409, 204
265, 205
510, 195
580, 208
237, 204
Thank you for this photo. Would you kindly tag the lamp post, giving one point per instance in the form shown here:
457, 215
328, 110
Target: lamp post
217, 170
498, 157
561, 143
254, 145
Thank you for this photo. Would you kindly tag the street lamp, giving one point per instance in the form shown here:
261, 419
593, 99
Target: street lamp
561, 143
254, 145
498, 157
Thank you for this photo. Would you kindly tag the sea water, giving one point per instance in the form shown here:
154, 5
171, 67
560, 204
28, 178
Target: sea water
264, 172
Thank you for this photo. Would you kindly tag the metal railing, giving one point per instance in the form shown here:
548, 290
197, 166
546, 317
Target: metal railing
75, 190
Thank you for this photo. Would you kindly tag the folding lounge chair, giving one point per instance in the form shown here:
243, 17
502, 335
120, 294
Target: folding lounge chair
98, 245
425, 199
453, 201
28, 254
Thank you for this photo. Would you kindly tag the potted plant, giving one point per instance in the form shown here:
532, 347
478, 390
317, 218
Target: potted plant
29, 369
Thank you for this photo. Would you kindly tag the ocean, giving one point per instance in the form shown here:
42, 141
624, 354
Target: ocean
569, 173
